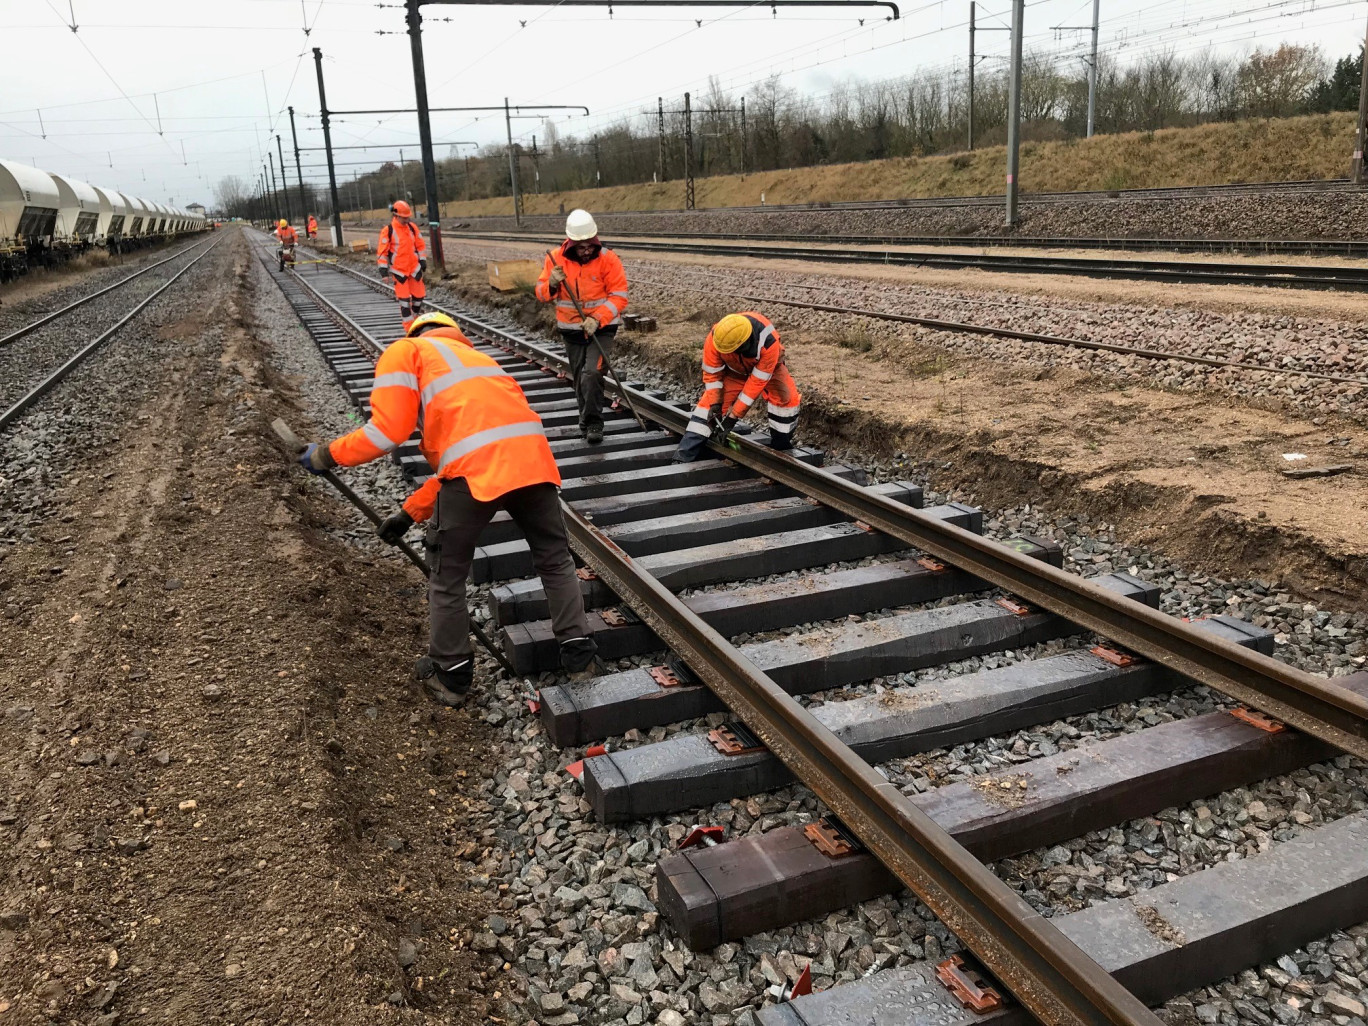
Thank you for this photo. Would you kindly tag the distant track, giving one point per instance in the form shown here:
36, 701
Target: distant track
1347, 279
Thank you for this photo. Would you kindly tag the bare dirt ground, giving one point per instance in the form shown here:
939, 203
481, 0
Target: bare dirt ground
223, 800
1196, 476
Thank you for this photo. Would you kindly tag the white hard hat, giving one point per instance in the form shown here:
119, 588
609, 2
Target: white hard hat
580, 226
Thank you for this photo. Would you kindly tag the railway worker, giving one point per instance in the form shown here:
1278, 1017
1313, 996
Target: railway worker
490, 453
589, 287
288, 238
311, 227
399, 254
743, 360
287, 235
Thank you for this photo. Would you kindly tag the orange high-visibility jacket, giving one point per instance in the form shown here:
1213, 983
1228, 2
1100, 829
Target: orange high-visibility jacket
600, 285
313, 223
287, 235
476, 422
755, 360
399, 247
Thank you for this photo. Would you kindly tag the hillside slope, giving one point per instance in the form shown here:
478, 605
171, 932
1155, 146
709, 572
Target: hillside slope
1315, 146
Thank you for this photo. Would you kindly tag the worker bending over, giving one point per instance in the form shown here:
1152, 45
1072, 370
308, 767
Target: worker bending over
589, 287
743, 360
490, 453
311, 227
399, 254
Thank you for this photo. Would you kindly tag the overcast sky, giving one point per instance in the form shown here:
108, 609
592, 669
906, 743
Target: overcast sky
162, 98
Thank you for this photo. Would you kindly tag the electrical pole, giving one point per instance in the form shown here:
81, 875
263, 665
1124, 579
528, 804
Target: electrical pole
512, 166
327, 146
299, 174
743, 136
973, 10
1014, 113
688, 155
415, 26
284, 182
275, 195
403, 179
1092, 75
660, 137
536, 168
1362, 119
467, 167
598, 166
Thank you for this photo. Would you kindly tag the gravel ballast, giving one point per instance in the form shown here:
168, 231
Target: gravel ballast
576, 924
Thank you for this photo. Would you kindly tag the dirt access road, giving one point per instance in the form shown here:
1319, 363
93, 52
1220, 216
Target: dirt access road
223, 801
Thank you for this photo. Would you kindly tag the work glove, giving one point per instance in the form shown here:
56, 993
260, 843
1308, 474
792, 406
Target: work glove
316, 459
724, 428
394, 527
591, 326
557, 275
422, 266
399, 277
384, 271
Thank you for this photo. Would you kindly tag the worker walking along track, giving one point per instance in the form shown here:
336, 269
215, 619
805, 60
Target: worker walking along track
647, 528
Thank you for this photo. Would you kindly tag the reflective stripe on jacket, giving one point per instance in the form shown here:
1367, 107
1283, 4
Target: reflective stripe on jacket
600, 285
287, 235
755, 360
313, 224
476, 422
400, 246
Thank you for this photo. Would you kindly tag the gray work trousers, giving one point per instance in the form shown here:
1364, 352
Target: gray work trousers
452, 536
587, 370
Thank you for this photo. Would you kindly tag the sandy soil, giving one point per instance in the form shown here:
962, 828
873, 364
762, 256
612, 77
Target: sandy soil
1195, 476
223, 800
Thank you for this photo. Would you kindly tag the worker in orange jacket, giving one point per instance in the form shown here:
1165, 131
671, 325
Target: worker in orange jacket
311, 226
589, 287
399, 254
288, 238
489, 452
743, 360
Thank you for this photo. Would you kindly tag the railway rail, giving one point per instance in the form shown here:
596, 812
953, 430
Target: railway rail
1303, 276
1260, 247
70, 361
648, 530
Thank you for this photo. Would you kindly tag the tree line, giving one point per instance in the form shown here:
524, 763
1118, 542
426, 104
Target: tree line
919, 115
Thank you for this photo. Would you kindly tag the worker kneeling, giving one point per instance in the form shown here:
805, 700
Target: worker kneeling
743, 360
490, 453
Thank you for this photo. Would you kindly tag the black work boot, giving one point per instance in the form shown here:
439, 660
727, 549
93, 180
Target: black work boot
445, 685
594, 436
578, 658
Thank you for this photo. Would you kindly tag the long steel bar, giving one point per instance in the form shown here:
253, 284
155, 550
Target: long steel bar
1050, 975
1315, 705
48, 383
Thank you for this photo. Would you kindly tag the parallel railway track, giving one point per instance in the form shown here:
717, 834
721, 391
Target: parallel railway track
48, 377
647, 531
1309, 276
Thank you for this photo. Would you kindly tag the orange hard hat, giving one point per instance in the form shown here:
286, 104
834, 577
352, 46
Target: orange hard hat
401, 208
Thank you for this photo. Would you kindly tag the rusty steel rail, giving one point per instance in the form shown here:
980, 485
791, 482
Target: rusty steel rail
1044, 970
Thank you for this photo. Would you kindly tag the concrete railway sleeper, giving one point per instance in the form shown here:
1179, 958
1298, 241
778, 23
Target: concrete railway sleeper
647, 530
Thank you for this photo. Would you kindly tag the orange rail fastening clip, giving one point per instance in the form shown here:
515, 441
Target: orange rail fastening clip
1258, 719
967, 985
934, 565
576, 768
735, 739
1113, 655
832, 839
1013, 606
586, 574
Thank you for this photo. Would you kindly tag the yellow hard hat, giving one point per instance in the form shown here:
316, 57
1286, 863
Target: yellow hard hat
430, 320
730, 333
284, 223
